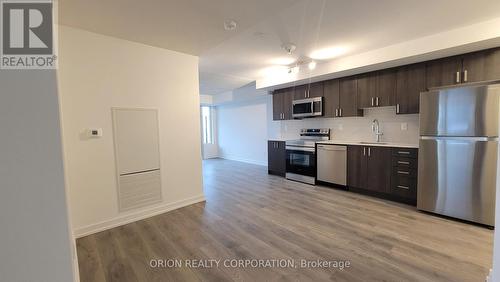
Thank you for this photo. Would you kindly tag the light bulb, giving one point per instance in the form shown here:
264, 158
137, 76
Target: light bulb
312, 65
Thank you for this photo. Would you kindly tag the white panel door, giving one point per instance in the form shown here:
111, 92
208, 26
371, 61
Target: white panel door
136, 140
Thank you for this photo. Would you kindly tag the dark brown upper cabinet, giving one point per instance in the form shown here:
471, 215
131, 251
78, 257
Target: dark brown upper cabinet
300, 92
331, 103
305, 91
367, 90
377, 89
386, 88
472, 67
410, 81
278, 104
316, 89
398, 87
481, 66
443, 72
282, 104
348, 98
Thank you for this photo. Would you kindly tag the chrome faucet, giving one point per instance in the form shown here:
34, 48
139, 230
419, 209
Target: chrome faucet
376, 130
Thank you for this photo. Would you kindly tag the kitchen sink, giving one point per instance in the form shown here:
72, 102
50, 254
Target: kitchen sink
373, 143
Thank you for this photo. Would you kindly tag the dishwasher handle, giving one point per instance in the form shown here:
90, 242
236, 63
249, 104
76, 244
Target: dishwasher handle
332, 148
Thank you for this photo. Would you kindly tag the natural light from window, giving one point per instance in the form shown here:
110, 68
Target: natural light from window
206, 118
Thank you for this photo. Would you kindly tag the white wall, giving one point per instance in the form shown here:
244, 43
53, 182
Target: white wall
35, 242
242, 131
99, 72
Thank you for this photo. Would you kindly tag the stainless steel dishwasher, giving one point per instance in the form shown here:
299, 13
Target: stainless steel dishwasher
332, 164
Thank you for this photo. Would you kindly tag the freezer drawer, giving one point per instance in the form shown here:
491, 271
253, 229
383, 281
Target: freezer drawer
332, 164
464, 111
457, 177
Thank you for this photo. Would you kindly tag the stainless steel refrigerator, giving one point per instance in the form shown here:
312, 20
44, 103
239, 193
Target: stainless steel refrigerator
458, 152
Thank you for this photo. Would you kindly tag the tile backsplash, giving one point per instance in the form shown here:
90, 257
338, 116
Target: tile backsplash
360, 128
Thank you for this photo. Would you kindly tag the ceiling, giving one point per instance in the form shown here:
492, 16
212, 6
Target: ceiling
230, 59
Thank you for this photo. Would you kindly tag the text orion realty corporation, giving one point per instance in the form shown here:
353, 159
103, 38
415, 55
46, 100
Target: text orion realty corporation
27, 35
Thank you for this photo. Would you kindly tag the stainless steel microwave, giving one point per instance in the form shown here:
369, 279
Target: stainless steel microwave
310, 107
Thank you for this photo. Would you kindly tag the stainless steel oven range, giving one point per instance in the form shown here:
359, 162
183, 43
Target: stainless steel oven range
301, 155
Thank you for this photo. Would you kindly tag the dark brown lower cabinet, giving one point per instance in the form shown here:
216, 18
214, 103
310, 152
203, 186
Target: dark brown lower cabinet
404, 174
380, 171
369, 168
276, 157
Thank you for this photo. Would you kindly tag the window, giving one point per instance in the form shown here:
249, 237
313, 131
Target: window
206, 119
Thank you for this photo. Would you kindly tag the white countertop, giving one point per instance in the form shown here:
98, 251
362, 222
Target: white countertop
359, 143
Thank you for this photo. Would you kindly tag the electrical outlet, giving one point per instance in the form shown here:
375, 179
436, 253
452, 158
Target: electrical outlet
341, 127
404, 126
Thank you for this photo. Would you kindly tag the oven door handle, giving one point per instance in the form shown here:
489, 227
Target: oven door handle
298, 148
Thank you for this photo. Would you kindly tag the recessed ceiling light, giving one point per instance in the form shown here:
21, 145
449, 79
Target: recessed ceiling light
328, 53
230, 25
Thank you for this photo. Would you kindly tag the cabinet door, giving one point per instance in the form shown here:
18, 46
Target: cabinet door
481, 66
444, 72
276, 157
331, 98
379, 166
356, 166
278, 105
287, 103
367, 90
300, 92
386, 88
316, 90
348, 98
409, 83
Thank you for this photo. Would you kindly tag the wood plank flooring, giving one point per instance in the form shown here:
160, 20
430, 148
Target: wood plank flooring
251, 215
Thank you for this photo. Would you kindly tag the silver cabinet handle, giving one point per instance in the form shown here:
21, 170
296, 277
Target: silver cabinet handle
458, 77
340, 112
403, 172
376, 101
405, 163
369, 152
403, 152
397, 108
465, 75
403, 187
364, 151
336, 112
372, 101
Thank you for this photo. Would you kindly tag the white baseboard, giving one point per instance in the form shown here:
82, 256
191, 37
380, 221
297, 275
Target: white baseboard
243, 160
134, 216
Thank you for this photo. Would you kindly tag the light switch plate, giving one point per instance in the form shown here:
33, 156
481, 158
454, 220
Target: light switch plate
404, 126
